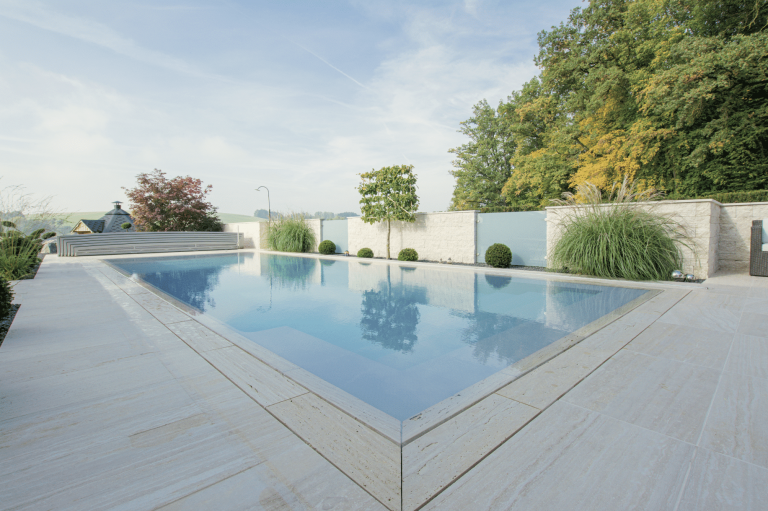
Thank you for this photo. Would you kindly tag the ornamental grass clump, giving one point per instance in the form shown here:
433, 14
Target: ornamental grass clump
6, 298
291, 234
613, 237
19, 251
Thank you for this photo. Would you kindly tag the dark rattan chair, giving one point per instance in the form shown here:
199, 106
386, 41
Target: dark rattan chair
758, 259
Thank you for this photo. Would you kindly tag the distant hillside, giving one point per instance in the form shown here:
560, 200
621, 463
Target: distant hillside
231, 218
70, 219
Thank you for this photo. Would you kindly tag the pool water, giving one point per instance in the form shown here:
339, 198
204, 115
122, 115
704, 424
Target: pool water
401, 339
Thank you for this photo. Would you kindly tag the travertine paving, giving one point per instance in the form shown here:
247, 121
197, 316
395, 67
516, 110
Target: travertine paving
677, 419
103, 406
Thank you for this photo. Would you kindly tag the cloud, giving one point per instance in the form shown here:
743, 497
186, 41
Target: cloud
41, 16
301, 118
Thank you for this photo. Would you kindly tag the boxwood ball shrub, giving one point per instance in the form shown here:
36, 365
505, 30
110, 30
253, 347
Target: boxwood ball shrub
327, 247
498, 255
365, 252
408, 254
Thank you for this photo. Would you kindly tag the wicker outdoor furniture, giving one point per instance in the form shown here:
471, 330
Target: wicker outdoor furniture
758, 256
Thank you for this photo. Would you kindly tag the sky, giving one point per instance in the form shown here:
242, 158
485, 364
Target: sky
297, 96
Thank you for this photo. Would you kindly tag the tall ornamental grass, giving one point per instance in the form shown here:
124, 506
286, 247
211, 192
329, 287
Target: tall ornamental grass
613, 237
291, 234
18, 252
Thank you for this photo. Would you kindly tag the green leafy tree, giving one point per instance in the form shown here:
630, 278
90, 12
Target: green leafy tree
671, 93
482, 165
389, 194
708, 114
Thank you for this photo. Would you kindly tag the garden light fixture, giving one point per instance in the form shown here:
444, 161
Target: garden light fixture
269, 204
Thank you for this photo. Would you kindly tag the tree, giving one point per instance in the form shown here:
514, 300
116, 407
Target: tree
708, 114
672, 94
178, 204
389, 194
482, 165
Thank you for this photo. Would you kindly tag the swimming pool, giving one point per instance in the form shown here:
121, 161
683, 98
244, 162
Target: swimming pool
399, 338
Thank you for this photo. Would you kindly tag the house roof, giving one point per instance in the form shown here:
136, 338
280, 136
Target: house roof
114, 220
111, 222
92, 225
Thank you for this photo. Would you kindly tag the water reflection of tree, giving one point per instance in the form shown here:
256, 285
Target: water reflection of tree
290, 272
390, 316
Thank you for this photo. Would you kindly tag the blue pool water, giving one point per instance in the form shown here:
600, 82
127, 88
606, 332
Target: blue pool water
401, 339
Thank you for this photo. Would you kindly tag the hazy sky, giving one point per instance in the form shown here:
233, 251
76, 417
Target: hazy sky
297, 96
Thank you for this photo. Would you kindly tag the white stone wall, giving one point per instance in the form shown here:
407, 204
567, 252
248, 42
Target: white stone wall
255, 233
316, 225
434, 236
736, 232
699, 219
252, 232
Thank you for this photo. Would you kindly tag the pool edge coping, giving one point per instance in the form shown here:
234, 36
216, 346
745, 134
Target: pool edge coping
363, 412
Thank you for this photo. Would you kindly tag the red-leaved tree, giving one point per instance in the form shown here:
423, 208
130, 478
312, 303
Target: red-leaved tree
178, 204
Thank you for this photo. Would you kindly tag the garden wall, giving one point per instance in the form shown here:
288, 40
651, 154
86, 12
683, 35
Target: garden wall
252, 232
434, 236
720, 233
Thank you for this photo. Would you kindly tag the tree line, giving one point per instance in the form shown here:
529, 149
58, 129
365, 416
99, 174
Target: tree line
672, 93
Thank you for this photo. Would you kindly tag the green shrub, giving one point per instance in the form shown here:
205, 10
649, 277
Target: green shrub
735, 197
6, 298
126, 225
291, 234
327, 247
498, 255
408, 254
18, 254
613, 238
365, 252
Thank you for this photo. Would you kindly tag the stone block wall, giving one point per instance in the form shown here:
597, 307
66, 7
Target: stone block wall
719, 234
735, 233
255, 233
434, 236
317, 227
252, 232
699, 219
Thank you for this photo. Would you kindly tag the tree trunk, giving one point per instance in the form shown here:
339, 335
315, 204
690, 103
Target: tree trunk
388, 230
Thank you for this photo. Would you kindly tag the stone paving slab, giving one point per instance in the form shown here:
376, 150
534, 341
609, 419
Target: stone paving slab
133, 417
139, 422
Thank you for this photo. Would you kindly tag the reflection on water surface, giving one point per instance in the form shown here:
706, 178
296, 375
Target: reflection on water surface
400, 338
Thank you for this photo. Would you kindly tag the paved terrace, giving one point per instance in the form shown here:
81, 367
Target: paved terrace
103, 406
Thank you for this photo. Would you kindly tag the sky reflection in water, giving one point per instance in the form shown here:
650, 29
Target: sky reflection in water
401, 339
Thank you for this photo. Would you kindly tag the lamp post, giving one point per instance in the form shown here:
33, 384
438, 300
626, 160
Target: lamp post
269, 204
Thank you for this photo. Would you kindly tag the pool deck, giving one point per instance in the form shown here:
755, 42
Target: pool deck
104, 406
